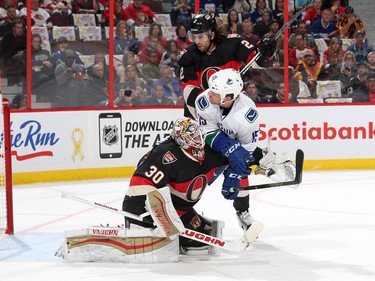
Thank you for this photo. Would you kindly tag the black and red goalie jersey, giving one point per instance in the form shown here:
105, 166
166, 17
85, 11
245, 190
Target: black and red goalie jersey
169, 165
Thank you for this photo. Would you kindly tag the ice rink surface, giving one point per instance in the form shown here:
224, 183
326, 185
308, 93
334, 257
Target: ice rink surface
323, 230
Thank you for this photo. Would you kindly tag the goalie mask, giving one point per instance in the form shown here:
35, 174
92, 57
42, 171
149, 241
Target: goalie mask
189, 136
226, 82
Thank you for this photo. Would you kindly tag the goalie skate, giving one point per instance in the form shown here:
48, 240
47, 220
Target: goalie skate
216, 231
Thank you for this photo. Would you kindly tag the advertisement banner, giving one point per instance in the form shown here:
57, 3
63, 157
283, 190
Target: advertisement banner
76, 140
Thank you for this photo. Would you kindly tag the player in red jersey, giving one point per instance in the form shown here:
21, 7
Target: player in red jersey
212, 51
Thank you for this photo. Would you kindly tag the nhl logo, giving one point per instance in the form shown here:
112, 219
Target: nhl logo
110, 135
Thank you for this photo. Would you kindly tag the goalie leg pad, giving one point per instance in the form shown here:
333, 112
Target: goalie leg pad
114, 244
159, 205
217, 231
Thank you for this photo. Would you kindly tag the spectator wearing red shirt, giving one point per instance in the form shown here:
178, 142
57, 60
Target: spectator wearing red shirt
104, 3
118, 10
334, 54
155, 31
297, 53
152, 44
138, 14
313, 13
182, 40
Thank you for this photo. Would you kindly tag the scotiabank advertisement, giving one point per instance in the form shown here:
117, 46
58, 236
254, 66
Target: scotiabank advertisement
327, 132
54, 146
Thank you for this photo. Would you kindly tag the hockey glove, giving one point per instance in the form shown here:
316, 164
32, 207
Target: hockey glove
230, 184
267, 48
277, 167
238, 157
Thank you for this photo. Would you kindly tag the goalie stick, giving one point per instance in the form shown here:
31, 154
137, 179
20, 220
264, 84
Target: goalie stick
236, 246
297, 180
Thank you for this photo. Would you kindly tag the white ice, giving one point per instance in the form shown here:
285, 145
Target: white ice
323, 230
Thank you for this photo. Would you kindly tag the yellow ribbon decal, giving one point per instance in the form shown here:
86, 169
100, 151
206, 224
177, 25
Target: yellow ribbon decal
77, 139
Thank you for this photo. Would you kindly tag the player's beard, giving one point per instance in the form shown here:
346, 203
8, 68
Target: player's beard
202, 48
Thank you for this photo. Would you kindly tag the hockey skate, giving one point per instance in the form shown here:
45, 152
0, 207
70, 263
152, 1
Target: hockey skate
245, 220
251, 227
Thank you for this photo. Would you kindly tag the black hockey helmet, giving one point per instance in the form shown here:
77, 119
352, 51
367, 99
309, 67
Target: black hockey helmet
202, 23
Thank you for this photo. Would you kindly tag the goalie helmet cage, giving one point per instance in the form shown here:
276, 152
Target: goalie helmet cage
6, 198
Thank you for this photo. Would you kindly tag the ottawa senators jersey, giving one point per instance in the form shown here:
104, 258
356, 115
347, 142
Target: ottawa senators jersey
197, 67
168, 165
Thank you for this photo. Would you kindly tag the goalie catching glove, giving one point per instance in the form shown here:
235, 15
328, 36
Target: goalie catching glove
277, 167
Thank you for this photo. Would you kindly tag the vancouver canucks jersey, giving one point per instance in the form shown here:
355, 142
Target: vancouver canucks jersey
241, 123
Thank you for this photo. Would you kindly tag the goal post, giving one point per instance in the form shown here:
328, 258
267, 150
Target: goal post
6, 196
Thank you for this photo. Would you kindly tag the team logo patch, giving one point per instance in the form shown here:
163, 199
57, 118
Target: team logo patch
168, 158
195, 222
202, 102
110, 135
251, 115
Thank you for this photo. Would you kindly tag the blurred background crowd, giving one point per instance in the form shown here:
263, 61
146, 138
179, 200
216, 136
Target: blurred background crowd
328, 55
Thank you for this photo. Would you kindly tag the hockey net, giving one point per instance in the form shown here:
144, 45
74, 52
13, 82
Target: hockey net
6, 200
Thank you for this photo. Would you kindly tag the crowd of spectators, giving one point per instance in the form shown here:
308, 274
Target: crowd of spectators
327, 43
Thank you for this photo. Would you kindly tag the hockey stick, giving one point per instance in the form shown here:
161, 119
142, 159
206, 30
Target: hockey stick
297, 180
277, 35
236, 246
289, 23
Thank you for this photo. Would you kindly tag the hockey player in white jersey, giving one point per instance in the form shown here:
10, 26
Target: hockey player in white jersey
230, 121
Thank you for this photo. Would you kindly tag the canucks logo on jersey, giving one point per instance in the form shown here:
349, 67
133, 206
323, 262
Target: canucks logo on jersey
202, 102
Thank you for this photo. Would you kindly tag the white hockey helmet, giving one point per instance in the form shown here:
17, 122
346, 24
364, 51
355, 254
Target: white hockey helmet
225, 82
189, 136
